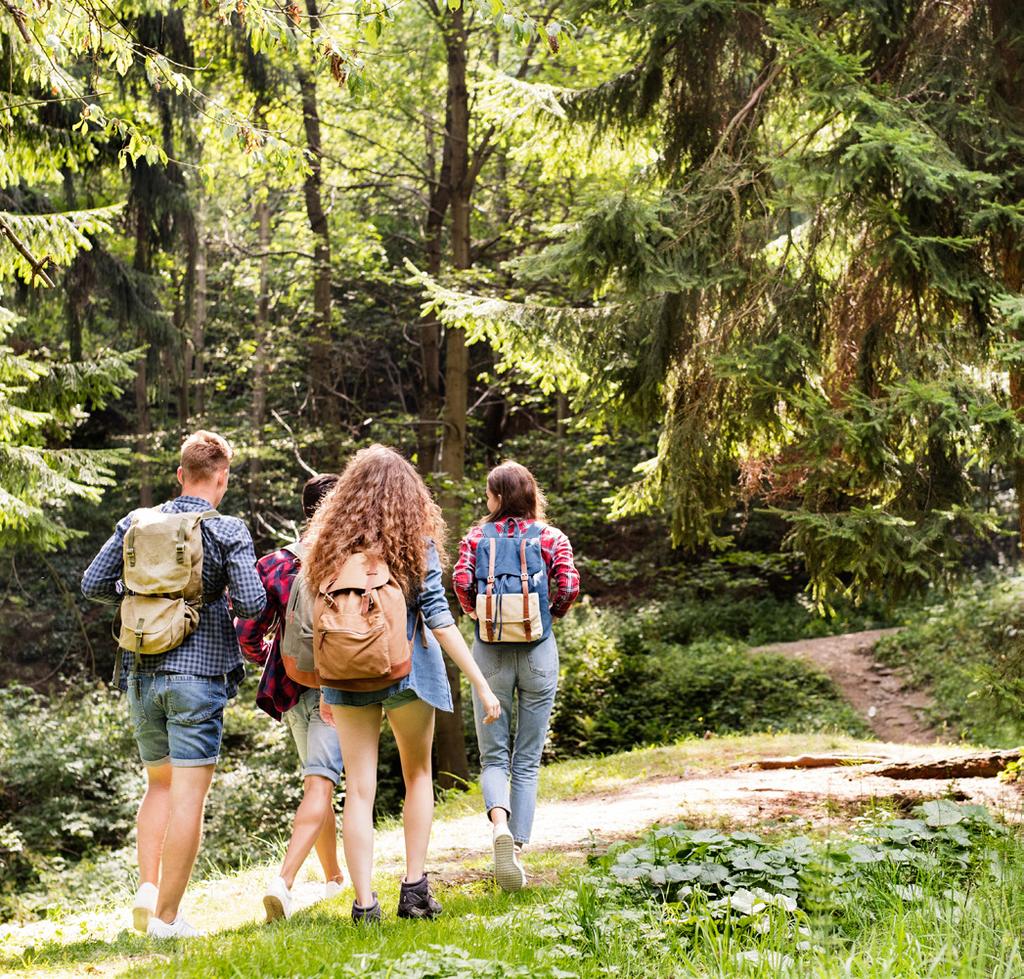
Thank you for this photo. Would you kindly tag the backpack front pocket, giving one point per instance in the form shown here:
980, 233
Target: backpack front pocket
504, 618
350, 648
153, 624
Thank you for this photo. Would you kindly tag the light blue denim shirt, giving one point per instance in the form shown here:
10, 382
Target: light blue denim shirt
428, 678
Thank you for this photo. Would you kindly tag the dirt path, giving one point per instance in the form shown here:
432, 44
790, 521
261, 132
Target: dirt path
878, 692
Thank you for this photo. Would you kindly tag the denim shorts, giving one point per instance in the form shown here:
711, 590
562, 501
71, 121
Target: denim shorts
178, 717
397, 695
315, 741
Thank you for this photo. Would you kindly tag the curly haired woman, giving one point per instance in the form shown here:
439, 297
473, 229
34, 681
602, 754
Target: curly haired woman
381, 506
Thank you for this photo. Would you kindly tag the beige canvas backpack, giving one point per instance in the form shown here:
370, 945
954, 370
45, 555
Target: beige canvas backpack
163, 580
359, 627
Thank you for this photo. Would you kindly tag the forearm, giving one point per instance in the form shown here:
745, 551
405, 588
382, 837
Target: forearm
455, 646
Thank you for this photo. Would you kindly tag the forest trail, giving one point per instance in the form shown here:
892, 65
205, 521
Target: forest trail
881, 694
702, 783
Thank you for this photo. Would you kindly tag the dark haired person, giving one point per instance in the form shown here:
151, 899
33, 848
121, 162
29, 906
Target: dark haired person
177, 697
299, 706
526, 671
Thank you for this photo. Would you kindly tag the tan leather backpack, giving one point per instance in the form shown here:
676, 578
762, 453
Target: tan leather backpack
360, 623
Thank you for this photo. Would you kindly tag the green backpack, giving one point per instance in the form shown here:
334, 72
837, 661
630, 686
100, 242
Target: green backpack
163, 580
297, 635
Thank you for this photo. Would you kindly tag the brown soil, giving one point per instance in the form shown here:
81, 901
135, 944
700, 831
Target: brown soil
881, 694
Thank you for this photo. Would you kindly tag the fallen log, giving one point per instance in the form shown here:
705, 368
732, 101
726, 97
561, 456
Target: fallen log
980, 764
812, 761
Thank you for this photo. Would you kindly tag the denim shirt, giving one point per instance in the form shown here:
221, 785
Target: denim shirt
428, 678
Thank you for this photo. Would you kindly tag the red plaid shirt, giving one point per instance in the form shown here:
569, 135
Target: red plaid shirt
260, 638
557, 552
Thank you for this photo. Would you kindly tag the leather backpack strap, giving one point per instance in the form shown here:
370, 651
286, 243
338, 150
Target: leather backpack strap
489, 609
524, 579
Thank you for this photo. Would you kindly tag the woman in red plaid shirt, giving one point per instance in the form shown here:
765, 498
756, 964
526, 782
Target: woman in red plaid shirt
525, 671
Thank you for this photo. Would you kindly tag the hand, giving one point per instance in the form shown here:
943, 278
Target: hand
325, 712
490, 703
473, 616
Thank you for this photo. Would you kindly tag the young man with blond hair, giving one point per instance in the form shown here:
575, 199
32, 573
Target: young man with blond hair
177, 698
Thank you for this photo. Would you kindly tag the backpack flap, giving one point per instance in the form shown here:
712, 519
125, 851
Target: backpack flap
163, 554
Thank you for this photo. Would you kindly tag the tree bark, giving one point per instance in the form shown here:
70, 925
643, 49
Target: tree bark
452, 763
142, 263
1007, 26
321, 379
257, 414
199, 314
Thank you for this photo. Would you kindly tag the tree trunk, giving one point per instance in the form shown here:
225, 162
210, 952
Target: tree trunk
1007, 27
321, 379
452, 763
257, 414
199, 314
142, 264
430, 345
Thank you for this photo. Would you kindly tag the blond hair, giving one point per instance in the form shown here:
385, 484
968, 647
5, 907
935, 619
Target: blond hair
380, 504
204, 454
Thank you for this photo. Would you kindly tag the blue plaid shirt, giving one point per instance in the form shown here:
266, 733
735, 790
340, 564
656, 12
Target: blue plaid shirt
229, 561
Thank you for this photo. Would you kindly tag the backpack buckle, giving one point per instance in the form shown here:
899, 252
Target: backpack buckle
490, 579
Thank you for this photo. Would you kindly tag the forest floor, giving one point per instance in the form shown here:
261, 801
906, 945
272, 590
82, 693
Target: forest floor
587, 804
882, 695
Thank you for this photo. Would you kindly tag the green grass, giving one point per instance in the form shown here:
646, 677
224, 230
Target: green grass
953, 911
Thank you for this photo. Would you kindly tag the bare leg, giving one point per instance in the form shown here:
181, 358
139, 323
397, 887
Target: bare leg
498, 816
184, 831
358, 735
309, 825
413, 727
152, 822
327, 847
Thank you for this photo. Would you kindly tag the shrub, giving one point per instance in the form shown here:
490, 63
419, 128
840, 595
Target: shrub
969, 652
620, 689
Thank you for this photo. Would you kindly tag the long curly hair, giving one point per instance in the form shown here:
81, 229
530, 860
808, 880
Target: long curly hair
380, 504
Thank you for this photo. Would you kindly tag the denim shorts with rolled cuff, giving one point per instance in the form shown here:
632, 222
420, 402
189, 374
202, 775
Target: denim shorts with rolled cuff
315, 740
397, 695
178, 717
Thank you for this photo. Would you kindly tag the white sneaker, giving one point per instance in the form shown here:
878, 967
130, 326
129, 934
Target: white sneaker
509, 874
333, 888
178, 928
277, 900
144, 907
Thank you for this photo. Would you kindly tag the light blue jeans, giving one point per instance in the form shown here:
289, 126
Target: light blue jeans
526, 674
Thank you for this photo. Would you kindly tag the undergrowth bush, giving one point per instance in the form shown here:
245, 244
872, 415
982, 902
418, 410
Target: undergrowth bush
969, 653
621, 687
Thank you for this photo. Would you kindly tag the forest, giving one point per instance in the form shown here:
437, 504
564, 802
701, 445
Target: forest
740, 281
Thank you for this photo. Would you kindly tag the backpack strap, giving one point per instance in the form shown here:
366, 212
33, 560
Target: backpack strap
524, 579
489, 607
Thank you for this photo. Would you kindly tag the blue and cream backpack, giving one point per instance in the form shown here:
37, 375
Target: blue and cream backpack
512, 602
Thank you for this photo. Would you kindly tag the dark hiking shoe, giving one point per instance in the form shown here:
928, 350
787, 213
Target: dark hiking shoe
371, 915
416, 901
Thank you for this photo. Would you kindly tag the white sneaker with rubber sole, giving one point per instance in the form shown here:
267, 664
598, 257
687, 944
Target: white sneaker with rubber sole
509, 874
333, 888
178, 928
144, 906
278, 900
